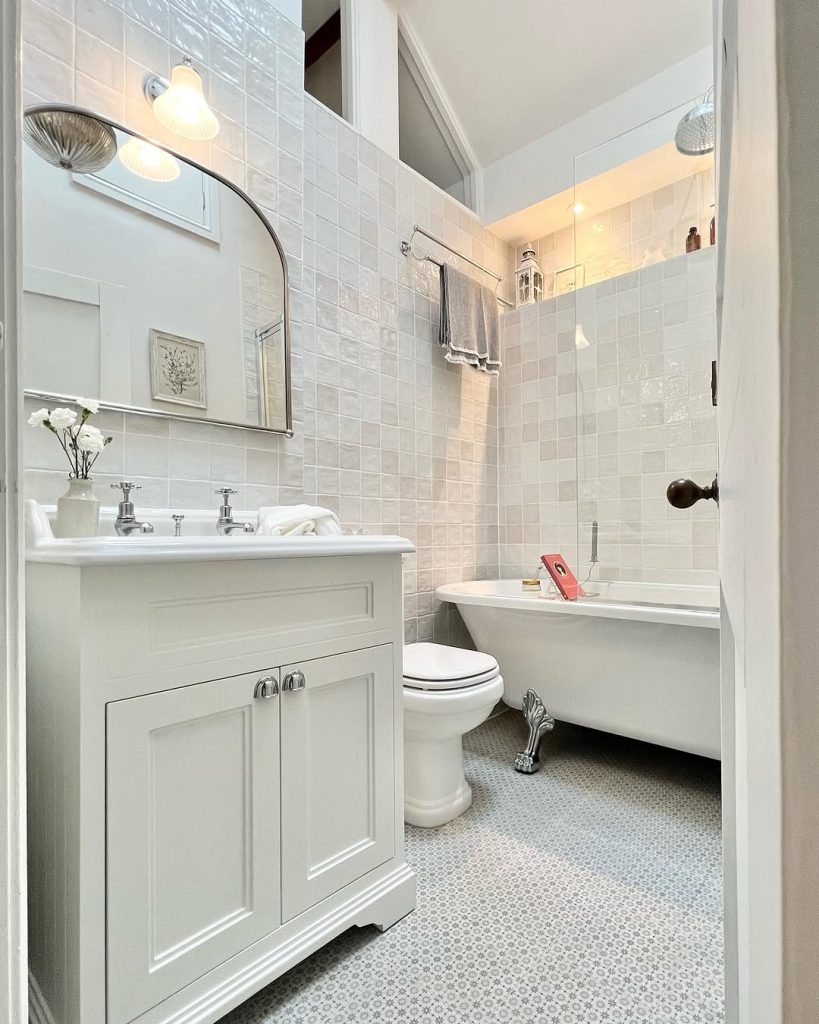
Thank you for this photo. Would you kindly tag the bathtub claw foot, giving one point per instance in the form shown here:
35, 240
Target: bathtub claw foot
540, 722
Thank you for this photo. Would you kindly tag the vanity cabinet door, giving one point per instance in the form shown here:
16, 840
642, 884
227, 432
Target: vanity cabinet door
193, 872
338, 773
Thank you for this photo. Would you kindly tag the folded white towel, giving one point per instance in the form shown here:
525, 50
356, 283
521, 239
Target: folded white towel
297, 520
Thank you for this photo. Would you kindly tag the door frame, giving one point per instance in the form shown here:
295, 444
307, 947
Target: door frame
13, 965
768, 91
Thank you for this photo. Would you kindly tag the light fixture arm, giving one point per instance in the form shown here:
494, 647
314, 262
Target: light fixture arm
154, 85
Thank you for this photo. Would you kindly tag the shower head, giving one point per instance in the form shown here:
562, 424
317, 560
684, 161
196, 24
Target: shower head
70, 140
696, 133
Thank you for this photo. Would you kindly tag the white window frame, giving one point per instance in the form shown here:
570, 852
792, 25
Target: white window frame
432, 92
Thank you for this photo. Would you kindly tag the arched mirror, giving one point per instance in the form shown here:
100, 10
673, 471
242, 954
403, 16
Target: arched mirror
149, 282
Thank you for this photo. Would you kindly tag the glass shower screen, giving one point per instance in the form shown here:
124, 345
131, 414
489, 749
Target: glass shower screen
642, 278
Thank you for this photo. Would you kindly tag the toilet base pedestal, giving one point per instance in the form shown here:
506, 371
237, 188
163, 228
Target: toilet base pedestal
435, 788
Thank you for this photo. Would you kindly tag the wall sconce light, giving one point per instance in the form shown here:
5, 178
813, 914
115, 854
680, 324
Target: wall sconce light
148, 161
180, 104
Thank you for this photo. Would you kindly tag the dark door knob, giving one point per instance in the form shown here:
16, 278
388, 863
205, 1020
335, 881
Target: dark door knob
685, 493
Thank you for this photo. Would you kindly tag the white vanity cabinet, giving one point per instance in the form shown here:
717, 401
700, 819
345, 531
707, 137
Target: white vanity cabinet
192, 836
215, 773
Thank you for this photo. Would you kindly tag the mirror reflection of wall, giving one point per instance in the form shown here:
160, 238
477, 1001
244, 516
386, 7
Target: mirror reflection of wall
166, 295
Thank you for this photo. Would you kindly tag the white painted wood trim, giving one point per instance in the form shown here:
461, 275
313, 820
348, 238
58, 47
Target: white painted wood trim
13, 972
209, 227
350, 77
111, 302
59, 285
382, 904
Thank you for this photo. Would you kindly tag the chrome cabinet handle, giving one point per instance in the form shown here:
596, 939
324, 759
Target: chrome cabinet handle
266, 688
294, 680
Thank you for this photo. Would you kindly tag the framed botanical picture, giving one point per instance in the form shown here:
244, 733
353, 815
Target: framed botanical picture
569, 279
178, 372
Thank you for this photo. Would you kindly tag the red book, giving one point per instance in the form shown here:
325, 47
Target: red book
565, 580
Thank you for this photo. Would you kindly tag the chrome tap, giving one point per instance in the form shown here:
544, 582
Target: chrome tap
226, 524
127, 522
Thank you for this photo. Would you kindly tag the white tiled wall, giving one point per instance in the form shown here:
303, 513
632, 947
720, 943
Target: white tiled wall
396, 439
606, 399
386, 432
649, 229
95, 53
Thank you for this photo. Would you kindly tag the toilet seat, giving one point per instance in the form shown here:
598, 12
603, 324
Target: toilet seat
429, 666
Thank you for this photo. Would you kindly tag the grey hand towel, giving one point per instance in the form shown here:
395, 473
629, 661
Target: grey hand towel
469, 331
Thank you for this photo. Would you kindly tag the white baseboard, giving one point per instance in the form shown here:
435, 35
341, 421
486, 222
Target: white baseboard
382, 905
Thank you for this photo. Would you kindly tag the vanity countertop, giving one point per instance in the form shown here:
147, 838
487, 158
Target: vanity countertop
111, 550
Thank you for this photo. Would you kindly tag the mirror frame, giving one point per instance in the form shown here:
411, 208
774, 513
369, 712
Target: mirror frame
146, 411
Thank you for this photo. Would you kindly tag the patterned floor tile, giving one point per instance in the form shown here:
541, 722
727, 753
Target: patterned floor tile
587, 894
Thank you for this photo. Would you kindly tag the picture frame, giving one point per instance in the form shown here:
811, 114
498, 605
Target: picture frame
569, 279
178, 370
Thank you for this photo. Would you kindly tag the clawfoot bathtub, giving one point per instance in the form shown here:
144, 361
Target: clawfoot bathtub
637, 659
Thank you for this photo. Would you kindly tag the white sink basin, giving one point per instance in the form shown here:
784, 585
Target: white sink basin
199, 540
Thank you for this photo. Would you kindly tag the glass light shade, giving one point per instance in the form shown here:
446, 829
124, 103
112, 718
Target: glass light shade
148, 161
183, 109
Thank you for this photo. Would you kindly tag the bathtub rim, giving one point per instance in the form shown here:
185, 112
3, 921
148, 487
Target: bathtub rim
465, 593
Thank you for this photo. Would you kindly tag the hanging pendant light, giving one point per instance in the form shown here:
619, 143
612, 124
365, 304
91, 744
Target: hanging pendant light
180, 104
71, 140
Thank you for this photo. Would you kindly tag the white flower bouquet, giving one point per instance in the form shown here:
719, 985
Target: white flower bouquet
80, 440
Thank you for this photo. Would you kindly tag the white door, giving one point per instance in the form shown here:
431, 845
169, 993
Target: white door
769, 462
193, 872
337, 773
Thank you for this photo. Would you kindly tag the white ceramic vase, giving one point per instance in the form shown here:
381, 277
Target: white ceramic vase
78, 511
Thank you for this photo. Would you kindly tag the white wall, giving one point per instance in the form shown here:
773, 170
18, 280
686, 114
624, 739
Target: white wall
546, 166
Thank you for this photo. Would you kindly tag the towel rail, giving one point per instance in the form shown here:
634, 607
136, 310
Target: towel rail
406, 249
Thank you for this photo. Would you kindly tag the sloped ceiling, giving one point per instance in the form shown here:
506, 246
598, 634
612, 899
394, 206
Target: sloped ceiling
315, 12
513, 72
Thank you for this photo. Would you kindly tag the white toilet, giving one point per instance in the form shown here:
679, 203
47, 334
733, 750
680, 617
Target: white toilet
447, 692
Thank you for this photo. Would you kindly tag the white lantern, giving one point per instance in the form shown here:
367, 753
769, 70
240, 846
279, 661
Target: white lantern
529, 278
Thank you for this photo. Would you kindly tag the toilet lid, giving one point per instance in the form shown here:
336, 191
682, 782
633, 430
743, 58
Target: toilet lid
438, 667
